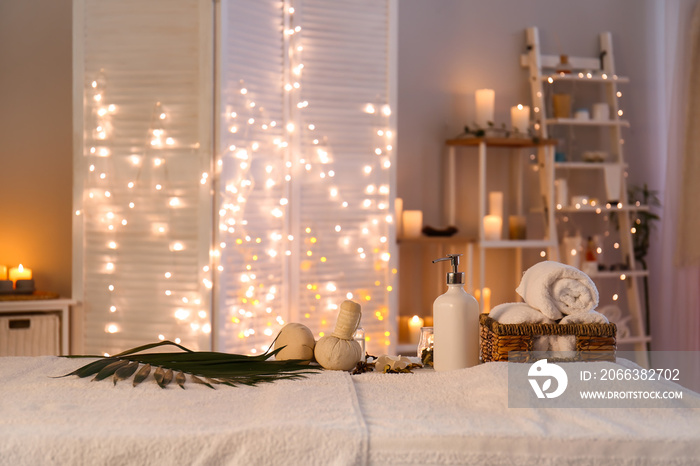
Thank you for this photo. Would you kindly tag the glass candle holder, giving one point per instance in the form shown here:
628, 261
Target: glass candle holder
425, 346
359, 336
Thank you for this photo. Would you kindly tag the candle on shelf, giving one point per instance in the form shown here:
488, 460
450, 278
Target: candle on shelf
412, 223
20, 273
485, 99
572, 250
601, 111
5, 286
24, 286
3, 272
517, 227
520, 118
414, 326
613, 182
493, 224
561, 192
398, 212
496, 203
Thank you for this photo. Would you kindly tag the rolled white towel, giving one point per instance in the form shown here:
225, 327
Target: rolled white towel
568, 342
563, 343
556, 289
521, 313
518, 313
591, 317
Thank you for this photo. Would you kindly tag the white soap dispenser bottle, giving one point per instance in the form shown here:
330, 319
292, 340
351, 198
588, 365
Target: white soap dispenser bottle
455, 323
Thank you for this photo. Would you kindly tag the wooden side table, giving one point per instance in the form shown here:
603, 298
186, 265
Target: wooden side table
42, 302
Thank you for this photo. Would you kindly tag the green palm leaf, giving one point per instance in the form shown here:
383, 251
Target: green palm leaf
204, 367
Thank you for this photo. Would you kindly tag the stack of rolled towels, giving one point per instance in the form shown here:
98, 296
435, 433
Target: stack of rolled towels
553, 293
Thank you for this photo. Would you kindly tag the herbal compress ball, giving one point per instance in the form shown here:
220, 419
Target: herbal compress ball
298, 342
340, 351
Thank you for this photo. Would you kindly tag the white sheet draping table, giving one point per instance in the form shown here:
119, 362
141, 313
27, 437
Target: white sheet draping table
459, 417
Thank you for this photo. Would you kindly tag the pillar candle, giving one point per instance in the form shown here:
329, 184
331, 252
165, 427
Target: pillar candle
398, 215
572, 250
414, 326
412, 223
20, 273
5, 286
520, 118
601, 111
486, 303
493, 224
496, 203
613, 182
561, 192
517, 227
485, 99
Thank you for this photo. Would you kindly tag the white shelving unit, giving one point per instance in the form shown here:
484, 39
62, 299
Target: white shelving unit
588, 76
545, 159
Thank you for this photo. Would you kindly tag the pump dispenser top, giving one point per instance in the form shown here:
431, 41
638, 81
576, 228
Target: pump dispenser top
455, 277
455, 323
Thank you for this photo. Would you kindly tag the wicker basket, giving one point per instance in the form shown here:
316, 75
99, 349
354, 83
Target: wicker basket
594, 342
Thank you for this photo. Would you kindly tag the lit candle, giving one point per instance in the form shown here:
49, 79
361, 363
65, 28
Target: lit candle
493, 224
485, 99
572, 250
486, 301
3, 272
20, 273
561, 192
412, 223
496, 203
414, 326
520, 118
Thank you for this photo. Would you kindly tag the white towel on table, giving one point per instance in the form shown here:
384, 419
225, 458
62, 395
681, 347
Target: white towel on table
556, 289
75, 421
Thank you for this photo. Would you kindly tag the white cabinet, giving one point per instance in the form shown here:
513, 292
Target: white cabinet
33, 327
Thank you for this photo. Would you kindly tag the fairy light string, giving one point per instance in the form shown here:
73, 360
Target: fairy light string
296, 267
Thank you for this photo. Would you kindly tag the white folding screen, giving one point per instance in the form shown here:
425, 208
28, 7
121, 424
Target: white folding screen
305, 169
283, 215
143, 75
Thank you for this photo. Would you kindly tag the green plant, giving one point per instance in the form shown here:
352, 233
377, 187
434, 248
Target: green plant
644, 221
203, 367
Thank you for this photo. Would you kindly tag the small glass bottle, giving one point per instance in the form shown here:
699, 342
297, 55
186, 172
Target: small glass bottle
563, 66
590, 251
590, 263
